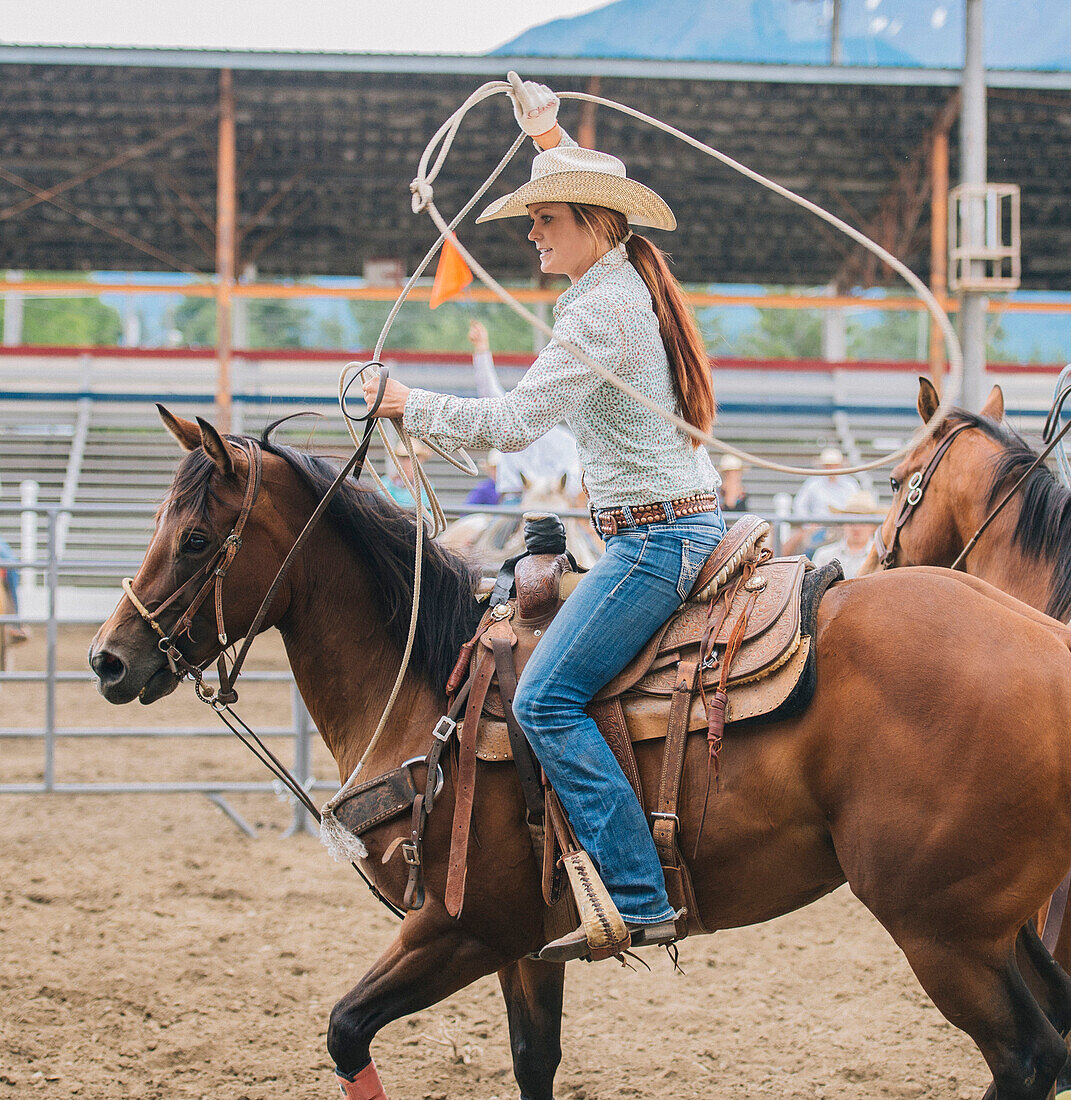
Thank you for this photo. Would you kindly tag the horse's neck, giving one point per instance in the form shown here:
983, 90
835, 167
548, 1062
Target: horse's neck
996, 558
345, 664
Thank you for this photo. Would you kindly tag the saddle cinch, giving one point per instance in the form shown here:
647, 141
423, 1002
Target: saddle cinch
739, 648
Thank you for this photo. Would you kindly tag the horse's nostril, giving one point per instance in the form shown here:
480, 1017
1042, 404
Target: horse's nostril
109, 668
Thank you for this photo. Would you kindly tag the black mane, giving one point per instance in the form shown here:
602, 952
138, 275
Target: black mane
384, 537
1043, 530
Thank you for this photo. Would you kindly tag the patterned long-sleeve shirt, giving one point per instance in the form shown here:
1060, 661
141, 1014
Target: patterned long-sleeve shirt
629, 454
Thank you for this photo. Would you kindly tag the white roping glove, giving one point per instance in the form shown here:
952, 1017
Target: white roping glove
535, 106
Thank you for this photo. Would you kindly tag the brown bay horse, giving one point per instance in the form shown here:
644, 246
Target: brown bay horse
912, 775
1025, 551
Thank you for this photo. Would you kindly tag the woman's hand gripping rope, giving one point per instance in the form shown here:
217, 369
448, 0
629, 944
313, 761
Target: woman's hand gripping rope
395, 394
535, 108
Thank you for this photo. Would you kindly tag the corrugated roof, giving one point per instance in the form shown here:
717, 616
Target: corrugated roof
496, 65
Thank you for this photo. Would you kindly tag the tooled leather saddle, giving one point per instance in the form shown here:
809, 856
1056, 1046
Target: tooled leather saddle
740, 647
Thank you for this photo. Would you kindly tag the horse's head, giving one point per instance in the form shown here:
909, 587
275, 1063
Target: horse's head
215, 547
545, 493
937, 488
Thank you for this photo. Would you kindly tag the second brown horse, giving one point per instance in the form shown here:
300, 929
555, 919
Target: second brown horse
1025, 551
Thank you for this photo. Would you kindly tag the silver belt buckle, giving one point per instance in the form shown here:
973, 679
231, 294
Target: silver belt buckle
605, 523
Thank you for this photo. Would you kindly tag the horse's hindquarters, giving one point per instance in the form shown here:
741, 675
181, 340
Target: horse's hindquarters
942, 750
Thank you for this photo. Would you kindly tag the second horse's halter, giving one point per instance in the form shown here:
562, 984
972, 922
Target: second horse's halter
916, 487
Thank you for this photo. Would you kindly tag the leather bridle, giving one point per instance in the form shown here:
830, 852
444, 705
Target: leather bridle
216, 569
916, 487
213, 572
920, 479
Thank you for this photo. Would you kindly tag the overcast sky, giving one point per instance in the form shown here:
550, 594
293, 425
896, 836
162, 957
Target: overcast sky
398, 26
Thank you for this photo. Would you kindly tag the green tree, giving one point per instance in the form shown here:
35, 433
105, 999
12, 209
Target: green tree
279, 323
996, 341
272, 323
894, 336
195, 319
80, 322
444, 329
782, 334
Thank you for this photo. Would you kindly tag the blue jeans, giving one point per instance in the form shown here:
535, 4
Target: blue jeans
643, 577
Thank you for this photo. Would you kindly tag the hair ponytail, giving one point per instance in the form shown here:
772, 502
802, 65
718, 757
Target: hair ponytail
685, 349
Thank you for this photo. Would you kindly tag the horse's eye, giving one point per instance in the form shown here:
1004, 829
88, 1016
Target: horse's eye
894, 485
193, 542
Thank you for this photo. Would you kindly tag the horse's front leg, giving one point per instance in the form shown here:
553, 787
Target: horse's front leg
533, 992
431, 958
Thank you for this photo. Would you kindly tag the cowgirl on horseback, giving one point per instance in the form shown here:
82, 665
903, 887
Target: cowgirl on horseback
652, 488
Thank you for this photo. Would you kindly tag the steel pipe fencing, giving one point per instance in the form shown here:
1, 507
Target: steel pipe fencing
43, 572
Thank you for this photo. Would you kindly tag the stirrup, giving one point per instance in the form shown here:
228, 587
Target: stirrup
575, 945
602, 933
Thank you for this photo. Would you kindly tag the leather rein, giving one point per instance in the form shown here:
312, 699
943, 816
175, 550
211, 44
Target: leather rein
214, 571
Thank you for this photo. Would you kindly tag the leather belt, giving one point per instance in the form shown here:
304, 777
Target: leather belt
608, 521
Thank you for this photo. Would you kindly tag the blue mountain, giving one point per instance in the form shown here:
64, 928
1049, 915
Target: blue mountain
928, 33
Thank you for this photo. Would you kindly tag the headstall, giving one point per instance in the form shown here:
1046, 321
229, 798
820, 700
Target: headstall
916, 487
213, 572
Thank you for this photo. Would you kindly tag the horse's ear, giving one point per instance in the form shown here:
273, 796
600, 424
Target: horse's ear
216, 447
928, 400
563, 481
185, 431
525, 482
993, 409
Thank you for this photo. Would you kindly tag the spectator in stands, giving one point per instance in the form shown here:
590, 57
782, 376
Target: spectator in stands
853, 546
733, 494
10, 579
551, 456
817, 496
396, 487
486, 491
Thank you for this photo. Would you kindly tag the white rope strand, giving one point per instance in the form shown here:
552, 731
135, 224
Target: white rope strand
421, 482
334, 835
954, 353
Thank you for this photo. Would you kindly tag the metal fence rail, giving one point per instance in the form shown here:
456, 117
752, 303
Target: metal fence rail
51, 569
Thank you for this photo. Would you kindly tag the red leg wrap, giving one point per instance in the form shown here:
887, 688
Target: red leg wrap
365, 1086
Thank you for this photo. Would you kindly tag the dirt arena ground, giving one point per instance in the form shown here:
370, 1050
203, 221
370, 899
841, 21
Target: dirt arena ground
149, 949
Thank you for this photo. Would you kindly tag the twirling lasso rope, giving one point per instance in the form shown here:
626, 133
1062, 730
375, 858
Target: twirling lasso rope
423, 200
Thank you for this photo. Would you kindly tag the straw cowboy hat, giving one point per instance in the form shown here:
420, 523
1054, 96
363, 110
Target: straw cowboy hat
584, 175
858, 504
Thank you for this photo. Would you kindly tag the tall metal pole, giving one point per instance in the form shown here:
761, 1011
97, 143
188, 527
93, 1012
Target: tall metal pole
938, 241
836, 52
226, 213
973, 171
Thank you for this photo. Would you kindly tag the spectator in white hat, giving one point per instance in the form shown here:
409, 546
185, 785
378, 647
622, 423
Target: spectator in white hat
550, 457
853, 546
733, 494
818, 496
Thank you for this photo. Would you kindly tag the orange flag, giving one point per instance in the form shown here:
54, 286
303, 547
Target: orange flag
451, 276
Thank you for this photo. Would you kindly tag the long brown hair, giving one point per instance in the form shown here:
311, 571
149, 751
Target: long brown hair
685, 349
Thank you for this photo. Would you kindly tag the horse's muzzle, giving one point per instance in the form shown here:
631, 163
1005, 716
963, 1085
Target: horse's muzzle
120, 681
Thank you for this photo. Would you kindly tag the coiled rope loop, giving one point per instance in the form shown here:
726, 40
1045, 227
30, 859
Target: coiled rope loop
423, 201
